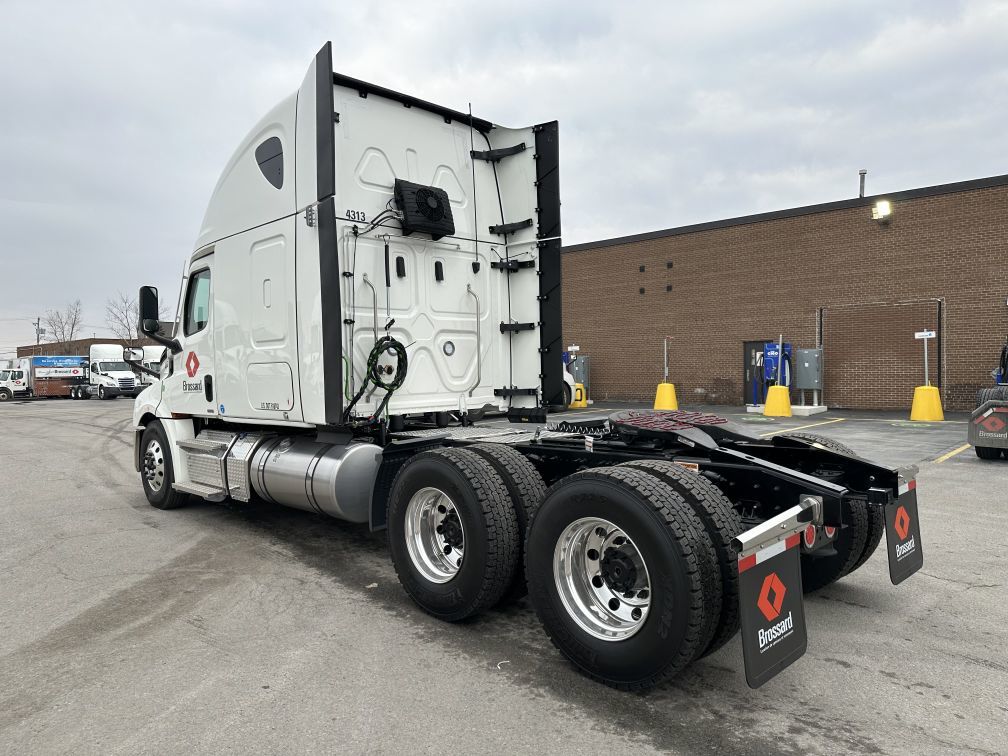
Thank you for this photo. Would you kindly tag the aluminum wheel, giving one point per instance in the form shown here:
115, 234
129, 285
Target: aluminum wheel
602, 579
154, 466
434, 535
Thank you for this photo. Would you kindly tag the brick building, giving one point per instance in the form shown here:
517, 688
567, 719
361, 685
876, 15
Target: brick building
77, 346
824, 275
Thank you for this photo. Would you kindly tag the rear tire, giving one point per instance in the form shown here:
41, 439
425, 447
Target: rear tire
568, 396
525, 488
452, 532
991, 393
721, 523
158, 473
639, 521
854, 543
987, 452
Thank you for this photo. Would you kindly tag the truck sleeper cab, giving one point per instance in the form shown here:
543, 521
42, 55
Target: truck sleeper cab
355, 303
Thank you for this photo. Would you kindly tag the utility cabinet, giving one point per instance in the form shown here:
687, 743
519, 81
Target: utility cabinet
808, 369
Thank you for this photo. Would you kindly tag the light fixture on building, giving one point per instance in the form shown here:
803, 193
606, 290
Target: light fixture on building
882, 212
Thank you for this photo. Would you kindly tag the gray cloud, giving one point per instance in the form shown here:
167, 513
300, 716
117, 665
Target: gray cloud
118, 116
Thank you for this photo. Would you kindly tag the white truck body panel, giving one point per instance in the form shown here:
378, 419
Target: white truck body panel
264, 344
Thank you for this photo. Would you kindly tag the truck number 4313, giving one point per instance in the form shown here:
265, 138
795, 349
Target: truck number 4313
355, 215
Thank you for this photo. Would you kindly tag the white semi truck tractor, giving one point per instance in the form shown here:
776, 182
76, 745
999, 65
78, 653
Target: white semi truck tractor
373, 272
109, 376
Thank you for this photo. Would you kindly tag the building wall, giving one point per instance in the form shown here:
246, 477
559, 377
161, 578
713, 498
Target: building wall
709, 290
77, 346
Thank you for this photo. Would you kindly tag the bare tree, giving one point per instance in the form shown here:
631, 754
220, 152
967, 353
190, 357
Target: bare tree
122, 315
62, 325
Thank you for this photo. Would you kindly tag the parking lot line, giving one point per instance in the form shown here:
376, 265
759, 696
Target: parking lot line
951, 454
803, 427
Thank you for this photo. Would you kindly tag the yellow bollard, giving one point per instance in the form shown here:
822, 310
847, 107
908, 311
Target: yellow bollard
665, 398
778, 402
579, 400
927, 405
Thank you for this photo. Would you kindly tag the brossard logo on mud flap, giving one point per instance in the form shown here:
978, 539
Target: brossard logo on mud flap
772, 614
901, 524
903, 538
771, 598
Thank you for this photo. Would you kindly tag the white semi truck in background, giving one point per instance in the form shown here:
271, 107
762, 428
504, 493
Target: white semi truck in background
373, 271
109, 377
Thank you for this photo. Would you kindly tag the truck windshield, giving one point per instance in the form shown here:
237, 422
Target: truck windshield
111, 367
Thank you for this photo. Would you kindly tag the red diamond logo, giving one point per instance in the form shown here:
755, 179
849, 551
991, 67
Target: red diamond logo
192, 364
993, 423
770, 607
902, 523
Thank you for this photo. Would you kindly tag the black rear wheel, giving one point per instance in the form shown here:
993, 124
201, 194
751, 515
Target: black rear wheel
721, 523
855, 542
614, 559
452, 532
525, 488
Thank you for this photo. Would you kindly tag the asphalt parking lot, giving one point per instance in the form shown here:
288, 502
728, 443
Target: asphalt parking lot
248, 628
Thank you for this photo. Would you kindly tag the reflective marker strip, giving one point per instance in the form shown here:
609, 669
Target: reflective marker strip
907, 487
770, 551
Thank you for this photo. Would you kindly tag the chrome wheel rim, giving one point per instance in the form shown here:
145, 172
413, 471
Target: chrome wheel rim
602, 579
435, 537
154, 465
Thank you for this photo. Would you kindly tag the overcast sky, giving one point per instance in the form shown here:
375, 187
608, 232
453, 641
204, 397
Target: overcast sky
116, 117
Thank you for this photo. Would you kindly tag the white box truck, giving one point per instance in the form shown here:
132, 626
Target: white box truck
372, 271
13, 382
43, 376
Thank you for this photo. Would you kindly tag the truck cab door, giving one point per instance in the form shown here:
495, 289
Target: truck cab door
191, 383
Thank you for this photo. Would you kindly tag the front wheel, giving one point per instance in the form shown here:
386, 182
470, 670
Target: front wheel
156, 470
6, 395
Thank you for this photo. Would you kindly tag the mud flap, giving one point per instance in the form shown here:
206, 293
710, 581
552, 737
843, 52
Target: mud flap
903, 539
772, 609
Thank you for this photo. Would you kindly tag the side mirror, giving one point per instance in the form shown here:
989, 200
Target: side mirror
149, 309
149, 324
132, 355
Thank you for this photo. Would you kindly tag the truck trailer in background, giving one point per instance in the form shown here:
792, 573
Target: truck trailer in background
43, 376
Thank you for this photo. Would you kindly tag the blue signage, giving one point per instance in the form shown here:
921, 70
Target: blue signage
59, 362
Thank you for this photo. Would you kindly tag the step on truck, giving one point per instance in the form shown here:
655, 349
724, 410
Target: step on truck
373, 273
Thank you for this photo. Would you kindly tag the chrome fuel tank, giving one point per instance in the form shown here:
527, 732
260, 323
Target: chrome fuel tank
332, 479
